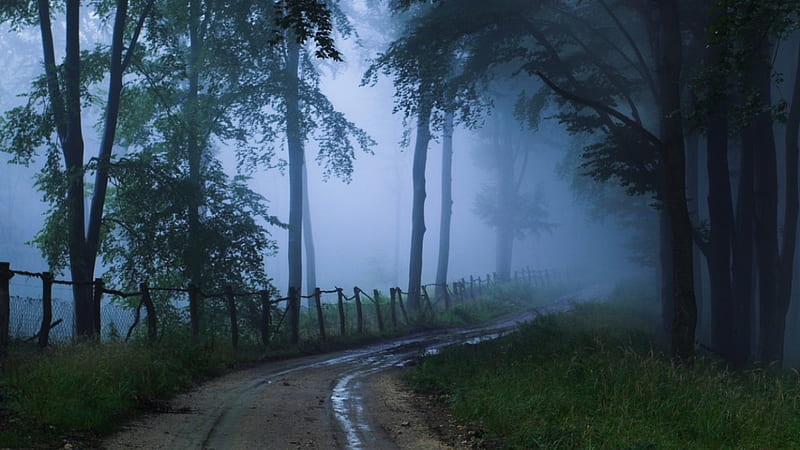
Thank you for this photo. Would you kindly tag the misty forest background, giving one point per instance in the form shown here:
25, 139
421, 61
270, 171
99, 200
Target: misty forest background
191, 142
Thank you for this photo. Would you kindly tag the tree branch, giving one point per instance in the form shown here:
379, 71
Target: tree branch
602, 108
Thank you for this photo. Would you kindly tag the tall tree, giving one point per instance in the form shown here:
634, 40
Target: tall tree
446, 213
56, 108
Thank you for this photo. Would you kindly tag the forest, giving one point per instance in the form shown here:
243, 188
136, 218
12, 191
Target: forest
146, 129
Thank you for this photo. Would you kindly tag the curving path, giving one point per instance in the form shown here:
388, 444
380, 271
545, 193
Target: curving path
317, 402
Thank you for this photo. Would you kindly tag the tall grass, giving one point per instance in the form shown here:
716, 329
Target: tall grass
595, 378
88, 389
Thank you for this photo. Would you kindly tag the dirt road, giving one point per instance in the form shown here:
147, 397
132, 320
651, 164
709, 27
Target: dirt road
349, 399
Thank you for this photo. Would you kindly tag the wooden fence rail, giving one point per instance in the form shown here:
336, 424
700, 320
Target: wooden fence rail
457, 292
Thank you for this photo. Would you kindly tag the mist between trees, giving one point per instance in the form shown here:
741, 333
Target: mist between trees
187, 142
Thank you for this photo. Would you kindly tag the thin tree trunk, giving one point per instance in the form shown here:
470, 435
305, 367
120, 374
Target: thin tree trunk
295, 148
418, 208
308, 241
447, 206
665, 263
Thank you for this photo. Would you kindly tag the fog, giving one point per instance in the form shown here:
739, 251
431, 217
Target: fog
362, 228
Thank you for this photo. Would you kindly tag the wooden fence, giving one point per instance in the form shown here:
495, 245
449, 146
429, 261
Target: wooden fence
453, 293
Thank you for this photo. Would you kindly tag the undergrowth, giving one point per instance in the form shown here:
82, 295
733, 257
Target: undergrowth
595, 377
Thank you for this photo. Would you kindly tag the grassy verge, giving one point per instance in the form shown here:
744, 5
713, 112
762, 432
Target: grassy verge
596, 378
76, 393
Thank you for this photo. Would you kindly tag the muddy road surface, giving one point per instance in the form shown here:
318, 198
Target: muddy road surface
346, 400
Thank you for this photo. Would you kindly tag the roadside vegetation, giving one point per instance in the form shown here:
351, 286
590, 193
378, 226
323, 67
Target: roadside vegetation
79, 392
597, 377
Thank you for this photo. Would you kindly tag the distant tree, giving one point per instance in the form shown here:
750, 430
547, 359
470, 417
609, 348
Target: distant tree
427, 90
503, 205
299, 111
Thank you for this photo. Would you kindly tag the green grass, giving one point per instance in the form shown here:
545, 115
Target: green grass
595, 378
80, 392
88, 389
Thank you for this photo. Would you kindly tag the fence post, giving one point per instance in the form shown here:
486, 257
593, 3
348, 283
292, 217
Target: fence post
392, 293
376, 294
427, 298
5, 306
98, 298
47, 309
320, 316
232, 313
194, 311
471, 287
340, 295
359, 313
152, 320
265, 318
400, 301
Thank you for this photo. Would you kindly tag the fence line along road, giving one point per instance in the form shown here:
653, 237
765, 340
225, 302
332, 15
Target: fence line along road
457, 291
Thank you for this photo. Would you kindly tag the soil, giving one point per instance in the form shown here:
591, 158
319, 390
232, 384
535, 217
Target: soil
278, 407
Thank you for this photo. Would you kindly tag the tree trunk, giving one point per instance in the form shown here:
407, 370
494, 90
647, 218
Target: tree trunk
669, 71
83, 244
447, 207
418, 209
194, 252
295, 148
790, 218
67, 114
693, 202
308, 241
771, 315
665, 263
743, 275
720, 208
506, 192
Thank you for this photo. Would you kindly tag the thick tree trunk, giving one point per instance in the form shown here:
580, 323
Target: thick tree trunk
418, 208
720, 207
83, 244
67, 113
669, 71
743, 275
771, 316
790, 218
295, 148
447, 207
194, 252
308, 242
